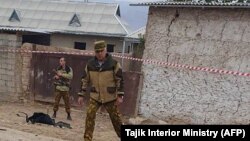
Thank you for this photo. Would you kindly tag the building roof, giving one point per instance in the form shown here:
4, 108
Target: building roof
212, 4
51, 16
138, 33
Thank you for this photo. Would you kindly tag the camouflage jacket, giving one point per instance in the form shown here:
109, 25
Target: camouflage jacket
105, 81
63, 83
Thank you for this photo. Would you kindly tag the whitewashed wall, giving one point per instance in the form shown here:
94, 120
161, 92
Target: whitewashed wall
60, 40
214, 38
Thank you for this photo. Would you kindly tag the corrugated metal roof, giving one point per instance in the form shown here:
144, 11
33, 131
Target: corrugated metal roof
212, 4
24, 29
55, 16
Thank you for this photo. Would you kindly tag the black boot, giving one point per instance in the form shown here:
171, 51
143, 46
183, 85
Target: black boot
54, 115
69, 117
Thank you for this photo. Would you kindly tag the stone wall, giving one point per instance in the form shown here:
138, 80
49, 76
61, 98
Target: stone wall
214, 38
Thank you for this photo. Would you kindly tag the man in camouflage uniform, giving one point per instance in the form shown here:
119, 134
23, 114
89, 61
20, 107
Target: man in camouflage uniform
62, 78
104, 74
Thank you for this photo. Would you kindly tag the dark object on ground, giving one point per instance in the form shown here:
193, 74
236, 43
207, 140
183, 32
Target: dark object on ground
39, 117
62, 124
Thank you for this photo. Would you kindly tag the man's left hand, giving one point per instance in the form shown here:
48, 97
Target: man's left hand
119, 100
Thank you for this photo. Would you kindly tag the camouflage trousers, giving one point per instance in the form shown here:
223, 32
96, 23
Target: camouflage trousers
114, 115
65, 96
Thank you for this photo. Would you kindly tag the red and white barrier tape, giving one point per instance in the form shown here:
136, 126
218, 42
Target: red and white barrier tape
148, 61
206, 69
46, 52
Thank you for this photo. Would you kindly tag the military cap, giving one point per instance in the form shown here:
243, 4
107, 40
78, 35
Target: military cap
99, 45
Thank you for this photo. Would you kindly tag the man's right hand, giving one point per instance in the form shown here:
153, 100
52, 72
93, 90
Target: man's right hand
80, 100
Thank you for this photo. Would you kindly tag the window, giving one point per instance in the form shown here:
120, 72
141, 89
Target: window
110, 48
41, 39
129, 48
80, 45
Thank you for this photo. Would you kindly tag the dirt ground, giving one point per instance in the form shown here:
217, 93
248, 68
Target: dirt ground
14, 128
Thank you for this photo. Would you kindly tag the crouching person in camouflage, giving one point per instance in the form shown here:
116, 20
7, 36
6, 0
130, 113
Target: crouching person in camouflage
62, 78
104, 74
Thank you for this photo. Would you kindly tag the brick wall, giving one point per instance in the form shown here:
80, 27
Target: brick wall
10, 68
